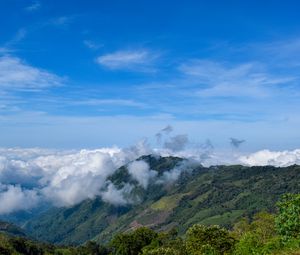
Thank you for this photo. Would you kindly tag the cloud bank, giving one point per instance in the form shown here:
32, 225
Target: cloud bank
62, 178
29, 177
274, 158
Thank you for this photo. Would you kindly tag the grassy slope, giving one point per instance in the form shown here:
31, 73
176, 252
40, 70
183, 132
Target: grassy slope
215, 195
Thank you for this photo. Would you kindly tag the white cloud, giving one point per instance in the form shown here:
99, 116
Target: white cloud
73, 177
16, 74
274, 158
62, 178
140, 171
14, 198
117, 196
170, 176
139, 60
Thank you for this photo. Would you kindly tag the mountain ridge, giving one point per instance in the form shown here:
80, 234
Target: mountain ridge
206, 195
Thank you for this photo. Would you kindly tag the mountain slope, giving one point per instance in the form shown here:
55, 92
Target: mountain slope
9, 228
214, 195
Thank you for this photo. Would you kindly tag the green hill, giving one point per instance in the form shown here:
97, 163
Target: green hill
9, 228
215, 195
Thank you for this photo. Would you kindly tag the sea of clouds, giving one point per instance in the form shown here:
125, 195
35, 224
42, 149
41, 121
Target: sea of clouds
29, 177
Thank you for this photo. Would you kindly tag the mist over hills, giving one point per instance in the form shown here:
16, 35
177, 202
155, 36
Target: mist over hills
33, 179
207, 195
69, 197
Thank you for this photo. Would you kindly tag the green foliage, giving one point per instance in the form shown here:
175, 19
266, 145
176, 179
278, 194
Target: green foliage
259, 236
92, 248
250, 236
248, 244
240, 227
263, 225
132, 243
288, 219
162, 251
208, 240
166, 242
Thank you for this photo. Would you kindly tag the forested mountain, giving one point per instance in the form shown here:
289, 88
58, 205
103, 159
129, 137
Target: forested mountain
12, 229
214, 195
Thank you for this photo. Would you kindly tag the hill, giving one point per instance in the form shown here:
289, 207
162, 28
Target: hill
214, 195
9, 228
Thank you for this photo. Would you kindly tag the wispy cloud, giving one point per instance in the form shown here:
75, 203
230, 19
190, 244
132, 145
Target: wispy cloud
33, 7
116, 102
17, 74
61, 21
282, 53
217, 79
138, 60
92, 45
21, 33
236, 143
5, 50
18, 36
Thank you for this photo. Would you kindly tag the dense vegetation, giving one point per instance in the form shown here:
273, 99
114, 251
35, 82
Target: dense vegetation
9, 228
263, 234
219, 195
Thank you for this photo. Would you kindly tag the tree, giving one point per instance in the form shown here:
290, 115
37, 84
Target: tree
92, 248
255, 237
241, 227
166, 243
249, 243
162, 251
208, 240
132, 243
288, 219
263, 225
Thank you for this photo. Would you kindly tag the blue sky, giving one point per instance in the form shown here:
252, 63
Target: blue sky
77, 74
